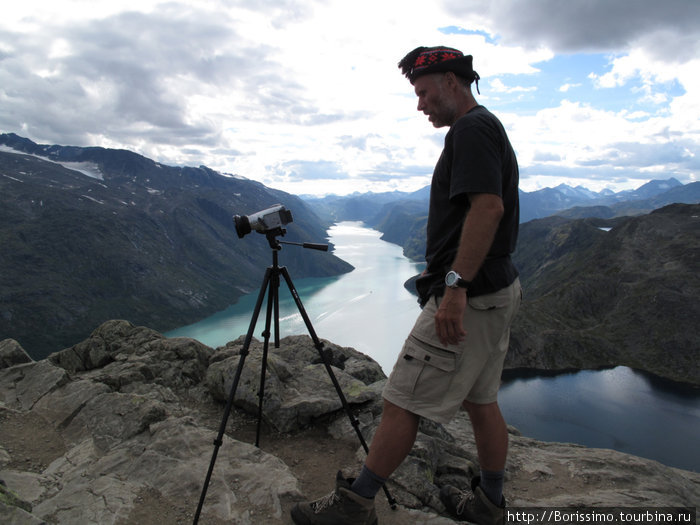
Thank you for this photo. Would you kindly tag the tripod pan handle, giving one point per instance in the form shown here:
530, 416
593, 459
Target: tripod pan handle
312, 246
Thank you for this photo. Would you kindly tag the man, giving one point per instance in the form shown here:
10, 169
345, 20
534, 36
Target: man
469, 292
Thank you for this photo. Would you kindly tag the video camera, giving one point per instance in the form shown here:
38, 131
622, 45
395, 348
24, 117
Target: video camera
264, 221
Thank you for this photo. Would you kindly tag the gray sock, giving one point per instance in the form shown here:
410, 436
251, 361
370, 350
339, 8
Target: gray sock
367, 483
492, 485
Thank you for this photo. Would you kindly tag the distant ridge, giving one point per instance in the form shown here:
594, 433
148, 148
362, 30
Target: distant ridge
611, 292
91, 234
391, 213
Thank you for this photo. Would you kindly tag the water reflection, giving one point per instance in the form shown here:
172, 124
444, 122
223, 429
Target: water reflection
619, 408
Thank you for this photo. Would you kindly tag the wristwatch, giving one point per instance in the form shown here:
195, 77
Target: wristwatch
454, 280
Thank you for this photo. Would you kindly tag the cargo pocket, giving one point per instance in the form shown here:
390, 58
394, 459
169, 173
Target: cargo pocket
425, 371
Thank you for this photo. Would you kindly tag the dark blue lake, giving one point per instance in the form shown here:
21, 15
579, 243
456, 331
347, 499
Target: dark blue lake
369, 310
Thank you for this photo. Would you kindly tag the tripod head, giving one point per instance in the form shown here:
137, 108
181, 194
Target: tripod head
271, 222
275, 243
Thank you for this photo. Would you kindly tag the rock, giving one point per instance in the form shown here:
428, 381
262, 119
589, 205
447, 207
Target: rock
99, 487
11, 499
120, 429
28, 383
568, 475
296, 385
11, 354
66, 403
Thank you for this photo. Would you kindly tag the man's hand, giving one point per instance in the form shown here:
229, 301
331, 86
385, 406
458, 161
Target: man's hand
448, 319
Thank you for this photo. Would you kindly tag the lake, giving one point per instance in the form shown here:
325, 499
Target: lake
370, 310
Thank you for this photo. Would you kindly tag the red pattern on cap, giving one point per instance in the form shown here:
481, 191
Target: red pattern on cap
435, 56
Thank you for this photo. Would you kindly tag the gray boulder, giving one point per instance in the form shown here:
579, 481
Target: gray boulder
12, 353
296, 381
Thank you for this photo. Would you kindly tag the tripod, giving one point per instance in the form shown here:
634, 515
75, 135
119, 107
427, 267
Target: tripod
270, 286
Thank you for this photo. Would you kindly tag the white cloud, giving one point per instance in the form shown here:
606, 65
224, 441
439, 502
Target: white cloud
292, 91
498, 86
670, 29
566, 87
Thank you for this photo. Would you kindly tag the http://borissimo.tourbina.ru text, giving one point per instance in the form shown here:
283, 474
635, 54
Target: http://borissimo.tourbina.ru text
612, 515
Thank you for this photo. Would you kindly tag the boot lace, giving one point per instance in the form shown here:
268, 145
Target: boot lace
325, 502
465, 498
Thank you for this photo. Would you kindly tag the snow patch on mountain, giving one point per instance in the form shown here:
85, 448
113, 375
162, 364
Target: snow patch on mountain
89, 169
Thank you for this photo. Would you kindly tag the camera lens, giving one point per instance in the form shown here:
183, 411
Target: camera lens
242, 225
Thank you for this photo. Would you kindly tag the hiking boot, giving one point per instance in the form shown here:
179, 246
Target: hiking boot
474, 507
340, 507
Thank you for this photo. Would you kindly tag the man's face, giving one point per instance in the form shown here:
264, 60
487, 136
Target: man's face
434, 100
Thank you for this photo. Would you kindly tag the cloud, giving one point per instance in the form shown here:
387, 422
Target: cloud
566, 87
288, 92
681, 154
497, 86
591, 25
545, 156
588, 143
123, 76
299, 171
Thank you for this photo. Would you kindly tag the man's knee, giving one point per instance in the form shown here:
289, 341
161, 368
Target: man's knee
480, 411
390, 410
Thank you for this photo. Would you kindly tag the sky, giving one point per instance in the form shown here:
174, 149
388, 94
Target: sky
305, 96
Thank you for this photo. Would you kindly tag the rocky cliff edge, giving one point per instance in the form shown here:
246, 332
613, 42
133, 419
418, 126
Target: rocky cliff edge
119, 429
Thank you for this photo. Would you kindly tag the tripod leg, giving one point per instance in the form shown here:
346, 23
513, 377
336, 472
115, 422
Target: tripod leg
320, 347
272, 301
276, 303
229, 404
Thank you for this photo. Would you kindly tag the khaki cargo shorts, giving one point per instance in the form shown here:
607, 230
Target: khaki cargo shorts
432, 380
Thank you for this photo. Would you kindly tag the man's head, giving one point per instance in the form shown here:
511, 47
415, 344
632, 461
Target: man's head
441, 77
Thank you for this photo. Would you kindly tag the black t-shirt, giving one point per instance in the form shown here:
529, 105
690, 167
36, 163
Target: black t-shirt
477, 158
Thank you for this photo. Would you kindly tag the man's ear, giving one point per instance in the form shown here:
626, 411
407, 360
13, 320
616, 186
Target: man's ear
451, 80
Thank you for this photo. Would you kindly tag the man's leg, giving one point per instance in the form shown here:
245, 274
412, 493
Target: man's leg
490, 433
390, 445
353, 504
491, 436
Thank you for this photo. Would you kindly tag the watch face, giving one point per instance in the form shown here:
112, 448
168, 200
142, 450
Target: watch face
451, 279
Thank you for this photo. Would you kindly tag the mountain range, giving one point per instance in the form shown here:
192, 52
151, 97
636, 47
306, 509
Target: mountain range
92, 234
402, 216
608, 292
533, 205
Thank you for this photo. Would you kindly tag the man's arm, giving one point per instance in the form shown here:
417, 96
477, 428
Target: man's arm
478, 232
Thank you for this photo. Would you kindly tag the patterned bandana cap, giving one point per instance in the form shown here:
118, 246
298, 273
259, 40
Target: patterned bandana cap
435, 56
426, 60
